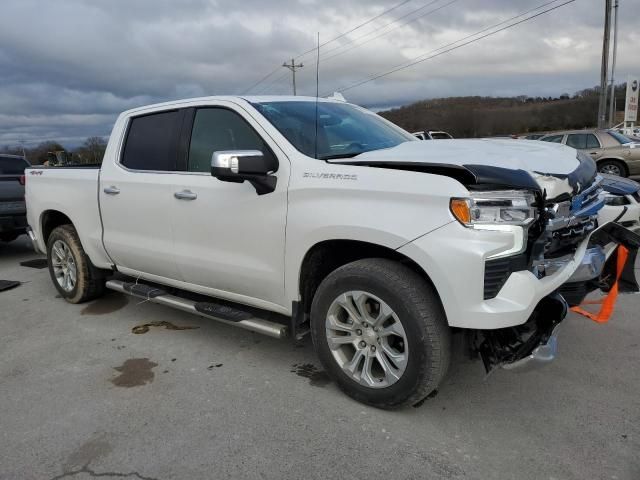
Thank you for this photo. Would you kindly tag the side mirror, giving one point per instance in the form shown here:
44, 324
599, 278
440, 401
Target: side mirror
240, 165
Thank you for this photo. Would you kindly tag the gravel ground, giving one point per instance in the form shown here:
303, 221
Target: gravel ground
81, 396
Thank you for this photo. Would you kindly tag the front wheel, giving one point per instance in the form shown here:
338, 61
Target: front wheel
73, 275
381, 333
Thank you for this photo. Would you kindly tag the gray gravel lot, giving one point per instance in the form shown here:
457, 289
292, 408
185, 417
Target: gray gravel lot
81, 396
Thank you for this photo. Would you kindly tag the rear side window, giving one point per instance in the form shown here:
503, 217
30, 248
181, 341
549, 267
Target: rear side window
577, 140
592, 141
152, 142
217, 129
12, 166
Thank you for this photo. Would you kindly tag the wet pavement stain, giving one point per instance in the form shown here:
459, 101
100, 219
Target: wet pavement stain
317, 378
104, 305
134, 373
88, 452
139, 329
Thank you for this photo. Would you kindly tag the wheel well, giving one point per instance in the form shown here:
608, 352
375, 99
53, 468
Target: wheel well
52, 219
325, 257
617, 160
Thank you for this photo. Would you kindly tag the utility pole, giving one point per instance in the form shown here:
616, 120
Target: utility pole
612, 111
293, 67
602, 105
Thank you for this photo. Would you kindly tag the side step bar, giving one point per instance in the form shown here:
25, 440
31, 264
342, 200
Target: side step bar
220, 313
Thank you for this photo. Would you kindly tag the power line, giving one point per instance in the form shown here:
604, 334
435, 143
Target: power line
381, 34
273, 82
343, 34
398, 5
418, 59
247, 90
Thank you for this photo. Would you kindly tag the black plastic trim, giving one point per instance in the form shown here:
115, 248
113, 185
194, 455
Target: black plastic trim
143, 290
223, 312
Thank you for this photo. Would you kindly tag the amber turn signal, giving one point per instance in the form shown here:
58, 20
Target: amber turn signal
460, 209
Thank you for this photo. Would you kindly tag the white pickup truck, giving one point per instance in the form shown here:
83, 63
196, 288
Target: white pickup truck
289, 215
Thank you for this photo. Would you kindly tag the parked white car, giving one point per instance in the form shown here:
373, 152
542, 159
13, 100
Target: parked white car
295, 216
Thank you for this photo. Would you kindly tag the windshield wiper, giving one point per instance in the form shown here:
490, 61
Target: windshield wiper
339, 155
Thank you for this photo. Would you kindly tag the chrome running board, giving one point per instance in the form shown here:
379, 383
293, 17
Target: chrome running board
212, 310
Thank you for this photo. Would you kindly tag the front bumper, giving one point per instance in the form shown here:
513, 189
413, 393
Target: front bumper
526, 346
454, 257
543, 354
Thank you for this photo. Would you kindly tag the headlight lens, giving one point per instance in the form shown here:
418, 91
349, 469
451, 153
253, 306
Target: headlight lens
511, 207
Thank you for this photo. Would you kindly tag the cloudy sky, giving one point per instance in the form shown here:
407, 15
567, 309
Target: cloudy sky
68, 67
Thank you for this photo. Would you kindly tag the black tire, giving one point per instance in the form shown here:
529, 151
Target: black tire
9, 236
418, 309
89, 280
606, 166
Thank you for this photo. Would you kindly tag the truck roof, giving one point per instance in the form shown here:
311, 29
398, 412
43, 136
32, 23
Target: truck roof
247, 98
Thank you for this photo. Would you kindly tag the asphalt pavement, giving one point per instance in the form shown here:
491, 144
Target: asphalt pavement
82, 396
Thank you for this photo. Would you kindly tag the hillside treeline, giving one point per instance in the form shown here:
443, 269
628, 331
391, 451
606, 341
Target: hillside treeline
489, 116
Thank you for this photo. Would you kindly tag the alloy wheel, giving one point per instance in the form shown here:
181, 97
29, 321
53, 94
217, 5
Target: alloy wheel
64, 265
367, 339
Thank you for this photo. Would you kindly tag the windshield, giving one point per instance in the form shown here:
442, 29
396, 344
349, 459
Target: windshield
620, 137
344, 130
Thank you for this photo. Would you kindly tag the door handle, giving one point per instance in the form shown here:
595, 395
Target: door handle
112, 190
185, 195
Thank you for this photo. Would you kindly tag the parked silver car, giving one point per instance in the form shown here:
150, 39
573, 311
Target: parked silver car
614, 153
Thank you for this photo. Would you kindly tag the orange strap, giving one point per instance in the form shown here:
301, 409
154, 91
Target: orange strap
608, 302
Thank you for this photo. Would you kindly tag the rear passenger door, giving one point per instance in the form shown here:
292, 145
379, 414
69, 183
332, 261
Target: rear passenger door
136, 195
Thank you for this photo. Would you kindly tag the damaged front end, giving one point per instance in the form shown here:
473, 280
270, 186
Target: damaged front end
525, 346
568, 230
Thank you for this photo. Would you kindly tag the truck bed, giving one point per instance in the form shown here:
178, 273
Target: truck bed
72, 191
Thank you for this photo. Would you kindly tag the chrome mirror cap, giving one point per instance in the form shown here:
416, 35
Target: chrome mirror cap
230, 159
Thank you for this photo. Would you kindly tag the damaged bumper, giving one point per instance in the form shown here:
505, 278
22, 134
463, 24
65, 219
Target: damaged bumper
525, 346
535, 342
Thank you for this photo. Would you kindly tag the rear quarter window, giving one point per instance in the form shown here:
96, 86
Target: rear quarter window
12, 166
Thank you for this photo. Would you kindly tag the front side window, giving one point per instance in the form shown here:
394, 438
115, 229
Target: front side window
152, 141
577, 140
331, 130
553, 138
218, 129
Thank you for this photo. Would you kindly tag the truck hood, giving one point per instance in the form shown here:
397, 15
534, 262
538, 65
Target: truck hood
529, 155
551, 167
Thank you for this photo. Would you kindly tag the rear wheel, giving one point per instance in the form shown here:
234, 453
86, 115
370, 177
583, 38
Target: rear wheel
612, 167
73, 275
380, 332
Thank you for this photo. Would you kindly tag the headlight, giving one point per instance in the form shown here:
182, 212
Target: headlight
482, 209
